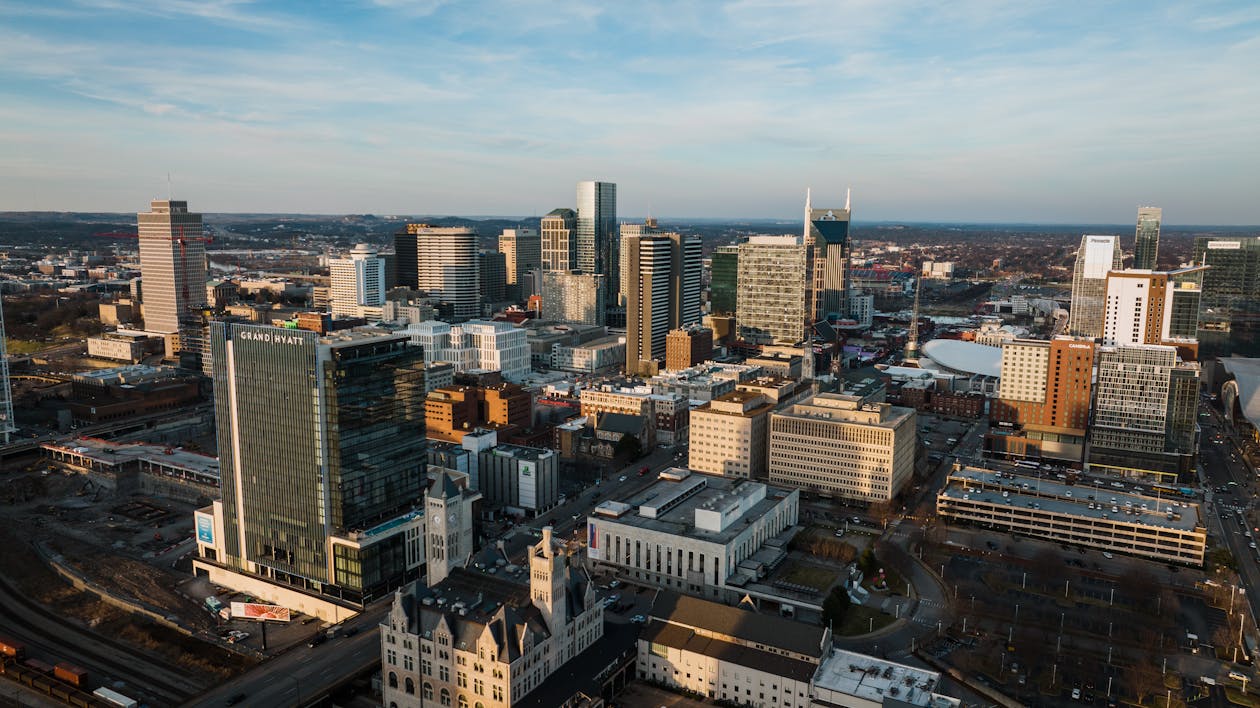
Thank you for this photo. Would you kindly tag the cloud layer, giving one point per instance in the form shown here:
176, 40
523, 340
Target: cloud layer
975, 110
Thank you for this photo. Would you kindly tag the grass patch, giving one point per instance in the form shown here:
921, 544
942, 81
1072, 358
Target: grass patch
861, 619
17, 347
1238, 698
813, 576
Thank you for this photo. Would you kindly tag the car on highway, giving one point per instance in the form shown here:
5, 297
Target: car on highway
236, 698
317, 640
1107, 554
622, 478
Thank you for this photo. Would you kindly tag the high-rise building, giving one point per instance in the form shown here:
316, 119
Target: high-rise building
522, 253
1146, 246
1097, 256
1154, 307
630, 231
771, 300
357, 283
559, 240
597, 244
1042, 407
172, 263
447, 267
1231, 284
478, 345
1145, 412
664, 294
493, 266
843, 446
827, 237
322, 456
7, 424
724, 280
573, 298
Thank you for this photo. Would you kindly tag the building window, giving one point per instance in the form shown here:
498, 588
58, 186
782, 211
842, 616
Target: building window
410, 686
446, 697
393, 680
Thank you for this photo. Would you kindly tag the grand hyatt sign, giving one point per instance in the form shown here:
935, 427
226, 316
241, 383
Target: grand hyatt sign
271, 337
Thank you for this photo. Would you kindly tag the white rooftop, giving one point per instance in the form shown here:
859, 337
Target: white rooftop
872, 679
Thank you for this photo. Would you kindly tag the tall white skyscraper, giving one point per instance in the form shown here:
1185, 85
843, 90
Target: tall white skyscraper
172, 264
447, 268
357, 283
1098, 255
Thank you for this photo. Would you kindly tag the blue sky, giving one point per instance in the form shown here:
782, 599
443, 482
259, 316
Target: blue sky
975, 110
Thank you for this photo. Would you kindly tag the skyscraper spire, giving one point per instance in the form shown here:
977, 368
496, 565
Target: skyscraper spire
848, 192
912, 341
808, 209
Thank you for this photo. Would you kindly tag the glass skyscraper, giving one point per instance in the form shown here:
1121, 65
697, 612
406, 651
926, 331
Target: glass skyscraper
1098, 255
322, 451
724, 280
597, 238
1146, 248
1231, 284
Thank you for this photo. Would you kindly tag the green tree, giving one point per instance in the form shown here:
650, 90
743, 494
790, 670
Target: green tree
835, 607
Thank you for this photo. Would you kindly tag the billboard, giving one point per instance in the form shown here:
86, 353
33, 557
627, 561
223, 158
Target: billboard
205, 529
255, 611
592, 542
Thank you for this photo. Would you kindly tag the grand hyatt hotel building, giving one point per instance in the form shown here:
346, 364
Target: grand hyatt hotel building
322, 454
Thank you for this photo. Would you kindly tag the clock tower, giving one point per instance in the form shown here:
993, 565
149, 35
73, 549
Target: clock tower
448, 513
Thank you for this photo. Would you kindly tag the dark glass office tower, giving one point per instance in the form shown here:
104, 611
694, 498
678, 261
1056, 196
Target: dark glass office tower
1146, 247
1231, 284
322, 451
597, 239
724, 280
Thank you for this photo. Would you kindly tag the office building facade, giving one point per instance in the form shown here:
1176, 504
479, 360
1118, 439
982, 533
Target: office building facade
522, 254
172, 264
446, 267
1231, 283
322, 456
729, 435
771, 302
596, 240
723, 280
843, 446
1097, 256
1154, 307
573, 298
1145, 413
827, 238
686, 347
559, 240
1146, 244
493, 274
357, 284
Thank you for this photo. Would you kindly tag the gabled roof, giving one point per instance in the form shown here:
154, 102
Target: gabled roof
688, 611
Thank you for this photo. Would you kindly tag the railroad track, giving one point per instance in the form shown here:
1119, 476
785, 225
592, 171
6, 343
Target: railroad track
39, 628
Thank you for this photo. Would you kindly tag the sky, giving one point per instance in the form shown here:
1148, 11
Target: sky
970, 110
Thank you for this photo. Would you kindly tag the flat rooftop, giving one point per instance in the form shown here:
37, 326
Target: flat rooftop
1075, 500
876, 680
675, 502
109, 453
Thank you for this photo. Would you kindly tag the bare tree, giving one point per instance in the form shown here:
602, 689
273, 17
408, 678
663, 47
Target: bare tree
1145, 679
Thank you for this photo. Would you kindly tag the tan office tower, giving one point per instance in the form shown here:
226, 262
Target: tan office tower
447, 268
172, 264
663, 294
522, 253
729, 433
559, 240
1097, 256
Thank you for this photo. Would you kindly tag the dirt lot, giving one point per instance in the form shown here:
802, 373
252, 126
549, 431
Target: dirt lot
108, 549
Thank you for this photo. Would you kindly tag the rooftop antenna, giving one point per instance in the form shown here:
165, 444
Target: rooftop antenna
808, 208
848, 192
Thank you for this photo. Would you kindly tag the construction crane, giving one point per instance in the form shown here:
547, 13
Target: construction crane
115, 234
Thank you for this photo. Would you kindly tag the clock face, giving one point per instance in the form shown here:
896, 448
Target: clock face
451, 518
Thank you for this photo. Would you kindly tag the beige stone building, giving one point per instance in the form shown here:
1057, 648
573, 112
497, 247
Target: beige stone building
728, 435
844, 446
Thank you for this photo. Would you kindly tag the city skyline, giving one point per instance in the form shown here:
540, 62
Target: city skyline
962, 113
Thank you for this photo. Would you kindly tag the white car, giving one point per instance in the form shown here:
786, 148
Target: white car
1107, 555
1076, 694
622, 478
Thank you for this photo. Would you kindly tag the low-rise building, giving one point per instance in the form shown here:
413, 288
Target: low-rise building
126, 345
696, 533
480, 639
601, 355
687, 347
1094, 516
139, 468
